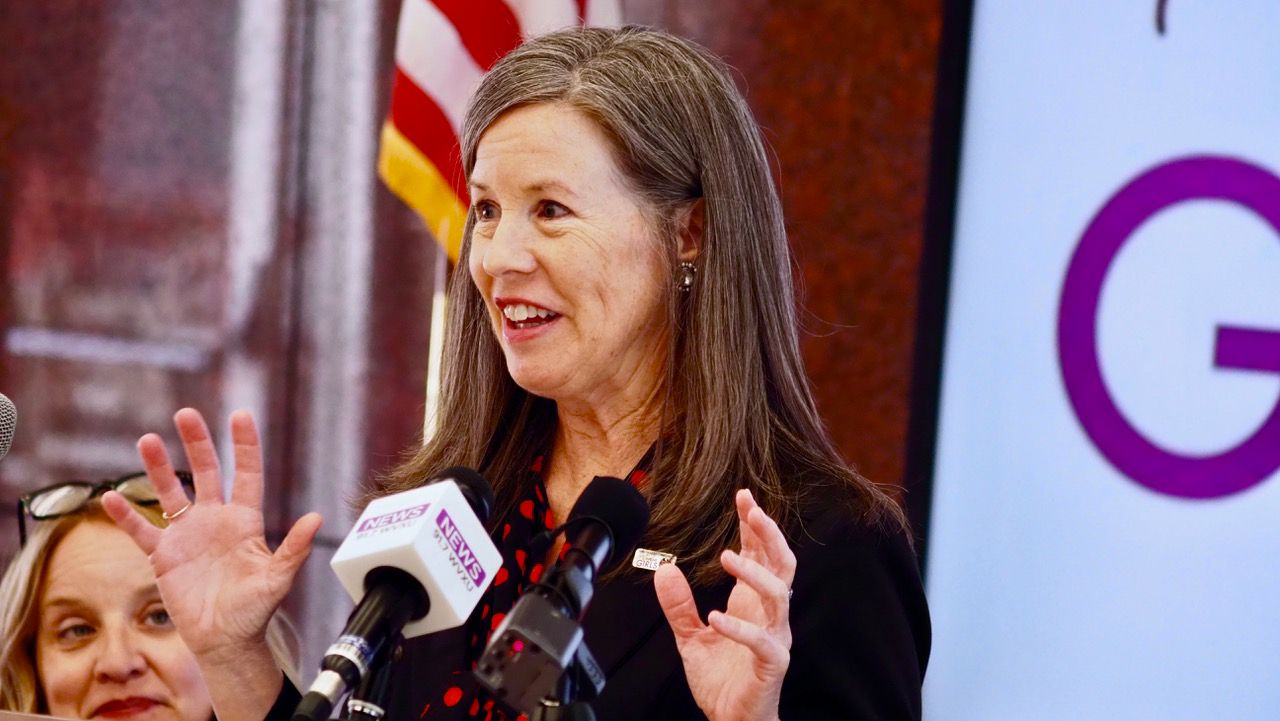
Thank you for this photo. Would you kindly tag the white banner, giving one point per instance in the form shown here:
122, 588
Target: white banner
1105, 531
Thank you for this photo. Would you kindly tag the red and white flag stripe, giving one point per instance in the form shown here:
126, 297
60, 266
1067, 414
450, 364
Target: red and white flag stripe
443, 48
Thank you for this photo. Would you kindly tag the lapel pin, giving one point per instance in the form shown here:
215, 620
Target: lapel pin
650, 560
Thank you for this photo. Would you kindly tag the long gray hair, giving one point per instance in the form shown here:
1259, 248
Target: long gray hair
738, 409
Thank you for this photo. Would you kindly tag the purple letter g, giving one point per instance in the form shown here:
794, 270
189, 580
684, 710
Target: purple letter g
1231, 471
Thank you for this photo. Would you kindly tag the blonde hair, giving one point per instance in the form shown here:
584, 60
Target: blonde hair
20, 688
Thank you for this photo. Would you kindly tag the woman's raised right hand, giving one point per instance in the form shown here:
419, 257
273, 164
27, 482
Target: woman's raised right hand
219, 580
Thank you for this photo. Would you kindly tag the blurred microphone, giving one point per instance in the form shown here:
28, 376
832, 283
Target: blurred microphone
541, 638
416, 562
8, 422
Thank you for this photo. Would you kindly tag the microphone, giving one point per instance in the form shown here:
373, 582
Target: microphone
8, 422
369, 701
542, 638
416, 562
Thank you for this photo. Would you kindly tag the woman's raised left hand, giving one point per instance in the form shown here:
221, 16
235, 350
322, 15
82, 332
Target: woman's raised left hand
736, 661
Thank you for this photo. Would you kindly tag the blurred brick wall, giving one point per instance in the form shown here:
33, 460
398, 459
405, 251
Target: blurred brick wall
844, 92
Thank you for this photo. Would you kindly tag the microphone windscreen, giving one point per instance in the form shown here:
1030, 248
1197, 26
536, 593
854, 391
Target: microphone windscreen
474, 487
8, 422
619, 506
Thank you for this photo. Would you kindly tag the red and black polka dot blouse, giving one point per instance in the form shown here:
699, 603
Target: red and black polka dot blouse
525, 537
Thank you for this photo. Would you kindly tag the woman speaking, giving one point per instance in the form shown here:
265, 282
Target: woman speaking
628, 311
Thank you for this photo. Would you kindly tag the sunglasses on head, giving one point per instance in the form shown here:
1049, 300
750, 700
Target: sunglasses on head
68, 497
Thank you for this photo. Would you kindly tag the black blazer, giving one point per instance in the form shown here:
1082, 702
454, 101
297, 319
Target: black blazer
860, 629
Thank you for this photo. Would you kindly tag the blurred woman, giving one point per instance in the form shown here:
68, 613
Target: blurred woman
83, 630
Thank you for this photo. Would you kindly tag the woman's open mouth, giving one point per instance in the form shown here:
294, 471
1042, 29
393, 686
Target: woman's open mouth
521, 316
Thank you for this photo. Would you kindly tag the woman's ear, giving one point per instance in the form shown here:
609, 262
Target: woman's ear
689, 230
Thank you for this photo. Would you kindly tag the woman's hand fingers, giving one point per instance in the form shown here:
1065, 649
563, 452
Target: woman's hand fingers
201, 454
145, 535
296, 546
736, 662
752, 545
155, 460
774, 593
780, 559
768, 650
246, 489
676, 599
762, 539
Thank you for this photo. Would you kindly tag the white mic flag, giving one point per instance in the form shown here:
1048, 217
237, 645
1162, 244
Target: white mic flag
432, 534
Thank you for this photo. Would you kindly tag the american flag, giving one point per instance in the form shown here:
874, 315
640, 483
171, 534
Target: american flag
443, 47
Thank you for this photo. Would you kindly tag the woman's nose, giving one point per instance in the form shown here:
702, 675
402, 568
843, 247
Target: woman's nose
507, 250
119, 656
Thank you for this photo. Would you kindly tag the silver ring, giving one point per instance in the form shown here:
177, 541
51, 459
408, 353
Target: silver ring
790, 591
170, 516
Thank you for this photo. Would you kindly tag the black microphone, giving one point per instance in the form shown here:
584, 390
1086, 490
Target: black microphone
405, 550
8, 422
541, 638
604, 525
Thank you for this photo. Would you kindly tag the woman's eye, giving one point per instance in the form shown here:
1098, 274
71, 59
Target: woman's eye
551, 210
486, 210
159, 617
75, 632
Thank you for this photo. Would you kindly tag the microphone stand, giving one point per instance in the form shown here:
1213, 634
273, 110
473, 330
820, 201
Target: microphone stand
556, 710
565, 706
368, 701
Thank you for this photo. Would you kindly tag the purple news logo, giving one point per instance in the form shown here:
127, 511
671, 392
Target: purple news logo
1250, 349
460, 549
389, 519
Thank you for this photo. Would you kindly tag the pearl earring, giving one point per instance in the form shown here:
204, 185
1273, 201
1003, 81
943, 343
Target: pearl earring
688, 274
